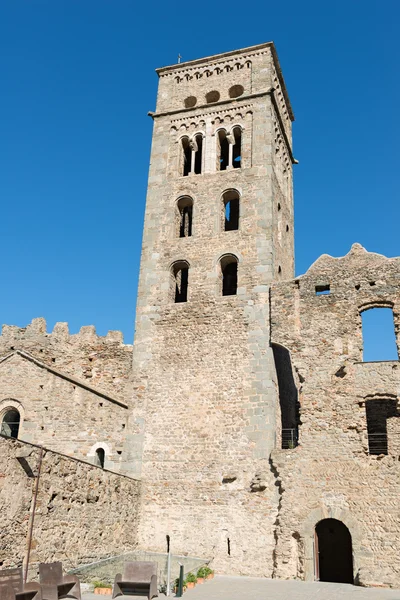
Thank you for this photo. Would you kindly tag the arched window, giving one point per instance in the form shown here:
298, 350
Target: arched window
185, 214
237, 148
179, 281
379, 338
100, 457
231, 204
229, 274
186, 157
10, 423
192, 155
222, 151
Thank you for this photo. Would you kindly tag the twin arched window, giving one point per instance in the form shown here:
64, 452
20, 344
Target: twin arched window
229, 149
192, 155
228, 277
230, 213
10, 423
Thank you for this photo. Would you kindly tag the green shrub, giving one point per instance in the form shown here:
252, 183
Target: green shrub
191, 578
101, 584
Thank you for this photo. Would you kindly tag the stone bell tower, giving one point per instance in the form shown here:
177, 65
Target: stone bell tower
218, 229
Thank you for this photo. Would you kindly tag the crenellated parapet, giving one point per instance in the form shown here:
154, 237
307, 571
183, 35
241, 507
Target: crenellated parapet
102, 361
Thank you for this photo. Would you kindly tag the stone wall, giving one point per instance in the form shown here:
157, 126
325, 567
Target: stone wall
83, 513
61, 414
102, 362
333, 473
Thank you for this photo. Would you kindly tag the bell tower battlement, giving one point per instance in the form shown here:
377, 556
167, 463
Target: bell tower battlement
218, 230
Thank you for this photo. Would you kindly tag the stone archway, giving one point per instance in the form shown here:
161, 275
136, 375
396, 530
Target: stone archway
334, 552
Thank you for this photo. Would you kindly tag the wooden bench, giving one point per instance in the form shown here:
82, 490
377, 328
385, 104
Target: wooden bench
138, 579
55, 585
12, 586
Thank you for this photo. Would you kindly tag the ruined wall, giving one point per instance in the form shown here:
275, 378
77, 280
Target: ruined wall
60, 414
204, 418
331, 473
103, 362
83, 513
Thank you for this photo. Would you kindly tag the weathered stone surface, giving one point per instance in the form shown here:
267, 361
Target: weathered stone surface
83, 512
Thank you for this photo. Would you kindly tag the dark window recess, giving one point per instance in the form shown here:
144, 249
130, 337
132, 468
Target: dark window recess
288, 397
229, 546
231, 202
10, 424
224, 150
180, 282
229, 269
379, 339
199, 154
187, 157
322, 290
237, 148
185, 209
100, 457
377, 413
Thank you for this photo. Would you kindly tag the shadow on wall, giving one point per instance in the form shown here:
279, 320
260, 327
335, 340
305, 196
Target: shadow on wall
288, 397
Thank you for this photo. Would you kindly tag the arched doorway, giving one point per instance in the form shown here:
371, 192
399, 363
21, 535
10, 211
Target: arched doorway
333, 552
10, 423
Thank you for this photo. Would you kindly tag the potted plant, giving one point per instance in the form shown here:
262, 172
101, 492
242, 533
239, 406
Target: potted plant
102, 588
190, 581
201, 575
208, 573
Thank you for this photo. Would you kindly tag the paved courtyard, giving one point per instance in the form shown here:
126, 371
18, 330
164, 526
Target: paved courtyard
253, 588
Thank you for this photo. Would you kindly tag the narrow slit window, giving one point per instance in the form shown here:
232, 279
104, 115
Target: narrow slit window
180, 282
186, 157
379, 339
231, 205
100, 457
223, 150
229, 273
198, 154
237, 148
184, 217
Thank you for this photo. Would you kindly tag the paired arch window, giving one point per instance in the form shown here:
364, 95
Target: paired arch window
231, 209
10, 423
184, 217
179, 281
229, 274
229, 151
192, 155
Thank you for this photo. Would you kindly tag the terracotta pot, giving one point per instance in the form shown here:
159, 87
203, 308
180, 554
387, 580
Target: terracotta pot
190, 585
210, 576
103, 591
200, 580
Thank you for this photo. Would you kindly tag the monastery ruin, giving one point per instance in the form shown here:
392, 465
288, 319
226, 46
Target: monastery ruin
243, 422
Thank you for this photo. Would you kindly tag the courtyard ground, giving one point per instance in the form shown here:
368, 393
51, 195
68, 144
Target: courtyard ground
254, 588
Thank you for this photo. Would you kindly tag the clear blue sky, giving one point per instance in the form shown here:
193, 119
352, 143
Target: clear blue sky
77, 80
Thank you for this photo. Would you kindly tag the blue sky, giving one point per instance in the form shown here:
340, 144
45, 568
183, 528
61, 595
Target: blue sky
77, 80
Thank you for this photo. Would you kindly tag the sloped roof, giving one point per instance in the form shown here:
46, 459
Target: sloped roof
73, 380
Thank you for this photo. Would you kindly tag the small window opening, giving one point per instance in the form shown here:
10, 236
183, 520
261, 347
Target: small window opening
229, 546
377, 413
213, 96
10, 424
322, 290
287, 227
229, 271
187, 156
180, 281
357, 286
198, 154
379, 340
237, 148
231, 210
223, 150
100, 457
185, 216
279, 206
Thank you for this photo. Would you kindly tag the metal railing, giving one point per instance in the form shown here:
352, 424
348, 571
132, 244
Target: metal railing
377, 443
290, 438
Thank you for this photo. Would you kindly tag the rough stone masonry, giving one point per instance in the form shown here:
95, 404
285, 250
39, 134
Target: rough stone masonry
244, 422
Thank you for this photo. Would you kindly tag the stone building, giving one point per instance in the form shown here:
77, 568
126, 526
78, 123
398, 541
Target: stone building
249, 430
